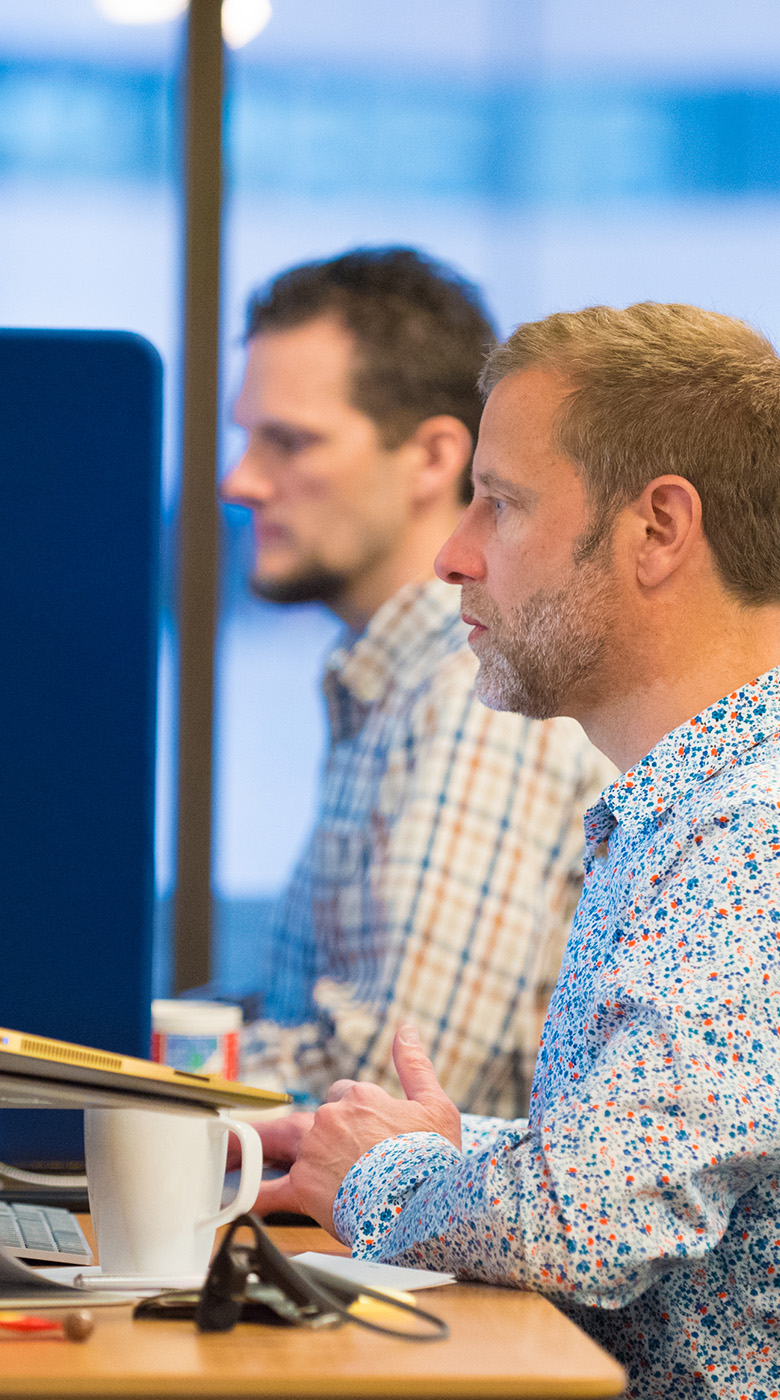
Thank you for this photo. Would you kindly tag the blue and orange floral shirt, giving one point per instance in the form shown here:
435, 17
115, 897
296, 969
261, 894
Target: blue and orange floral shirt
643, 1193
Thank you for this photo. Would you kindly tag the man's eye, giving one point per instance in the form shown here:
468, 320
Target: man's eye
288, 444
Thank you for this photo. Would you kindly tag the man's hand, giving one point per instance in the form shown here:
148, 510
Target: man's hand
355, 1118
281, 1138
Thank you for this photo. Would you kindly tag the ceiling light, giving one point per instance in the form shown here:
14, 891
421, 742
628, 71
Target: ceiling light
242, 20
141, 11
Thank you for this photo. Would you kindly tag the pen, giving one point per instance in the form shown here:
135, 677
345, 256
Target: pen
75, 1326
138, 1283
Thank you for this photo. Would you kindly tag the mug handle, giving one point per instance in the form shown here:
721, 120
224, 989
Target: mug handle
251, 1172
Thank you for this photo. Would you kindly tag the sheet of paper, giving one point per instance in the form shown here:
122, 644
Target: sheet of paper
16, 1277
65, 1273
23, 1287
373, 1275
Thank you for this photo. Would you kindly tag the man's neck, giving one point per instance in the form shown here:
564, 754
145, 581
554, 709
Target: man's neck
668, 684
410, 562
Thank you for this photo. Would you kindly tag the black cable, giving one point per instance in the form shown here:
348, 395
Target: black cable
311, 1291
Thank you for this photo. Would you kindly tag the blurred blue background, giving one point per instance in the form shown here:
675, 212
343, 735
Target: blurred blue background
560, 153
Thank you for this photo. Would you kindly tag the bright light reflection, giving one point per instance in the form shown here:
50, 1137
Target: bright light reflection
242, 20
141, 11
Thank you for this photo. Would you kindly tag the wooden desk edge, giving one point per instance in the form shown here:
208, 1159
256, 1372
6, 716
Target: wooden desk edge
357, 1390
607, 1384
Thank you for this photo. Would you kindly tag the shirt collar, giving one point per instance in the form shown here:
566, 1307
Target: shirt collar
394, 644
690, 755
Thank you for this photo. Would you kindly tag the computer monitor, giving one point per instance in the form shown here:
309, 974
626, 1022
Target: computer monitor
80, 442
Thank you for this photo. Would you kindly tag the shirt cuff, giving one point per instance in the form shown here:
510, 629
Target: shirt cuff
375, 1191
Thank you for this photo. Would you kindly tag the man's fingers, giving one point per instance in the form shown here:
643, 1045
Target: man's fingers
277, 1195
281, 1137
414, 1069
419, 1083
233, 1153
339, 1089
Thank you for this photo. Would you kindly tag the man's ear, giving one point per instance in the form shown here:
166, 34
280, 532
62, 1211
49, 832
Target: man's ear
667, 520
442, 449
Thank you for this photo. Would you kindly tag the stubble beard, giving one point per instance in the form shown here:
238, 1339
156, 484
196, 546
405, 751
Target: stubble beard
313, 585
544, 657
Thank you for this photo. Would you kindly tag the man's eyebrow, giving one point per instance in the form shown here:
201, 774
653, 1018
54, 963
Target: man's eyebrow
274, 428
491, 481
285, 427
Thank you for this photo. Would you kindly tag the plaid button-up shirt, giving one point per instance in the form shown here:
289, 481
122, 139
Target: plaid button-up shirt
440, 881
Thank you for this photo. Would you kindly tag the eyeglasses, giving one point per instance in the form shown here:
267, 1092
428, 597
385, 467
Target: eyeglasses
258, 1273
249, 1281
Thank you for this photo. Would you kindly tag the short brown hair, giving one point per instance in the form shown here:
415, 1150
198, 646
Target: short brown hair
421, 333
659, 389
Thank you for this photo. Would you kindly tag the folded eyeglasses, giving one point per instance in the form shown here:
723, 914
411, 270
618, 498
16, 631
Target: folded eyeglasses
257, 1283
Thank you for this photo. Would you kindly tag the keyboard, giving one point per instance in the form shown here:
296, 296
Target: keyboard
46, 1234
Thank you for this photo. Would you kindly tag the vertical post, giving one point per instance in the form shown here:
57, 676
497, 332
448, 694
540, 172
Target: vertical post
198, 539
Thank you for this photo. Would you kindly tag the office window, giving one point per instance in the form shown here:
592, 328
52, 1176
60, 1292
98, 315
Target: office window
559, 153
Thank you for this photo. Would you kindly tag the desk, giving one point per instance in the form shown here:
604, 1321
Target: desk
504, 1345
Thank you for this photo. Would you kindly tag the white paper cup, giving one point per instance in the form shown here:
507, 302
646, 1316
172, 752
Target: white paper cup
199, 1036
155, 1183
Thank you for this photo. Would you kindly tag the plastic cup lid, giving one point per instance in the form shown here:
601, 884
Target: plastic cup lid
195, 1017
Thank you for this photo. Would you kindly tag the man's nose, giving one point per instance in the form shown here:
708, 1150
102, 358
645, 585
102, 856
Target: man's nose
460, 557
247, 483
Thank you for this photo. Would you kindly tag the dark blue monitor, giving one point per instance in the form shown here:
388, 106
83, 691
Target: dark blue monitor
80, 443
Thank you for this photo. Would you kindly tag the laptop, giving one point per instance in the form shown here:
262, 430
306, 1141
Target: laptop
55, 1073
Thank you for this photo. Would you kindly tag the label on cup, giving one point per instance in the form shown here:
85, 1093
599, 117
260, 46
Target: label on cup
200, 1054
198, 1036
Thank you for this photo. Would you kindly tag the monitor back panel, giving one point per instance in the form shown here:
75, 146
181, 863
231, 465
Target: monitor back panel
80, 432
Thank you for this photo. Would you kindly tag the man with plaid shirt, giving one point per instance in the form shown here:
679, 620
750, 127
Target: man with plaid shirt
441, 878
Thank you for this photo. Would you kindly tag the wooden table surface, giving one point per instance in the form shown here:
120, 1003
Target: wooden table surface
502, 1343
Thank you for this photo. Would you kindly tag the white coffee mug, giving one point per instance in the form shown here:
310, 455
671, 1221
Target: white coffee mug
155, 1183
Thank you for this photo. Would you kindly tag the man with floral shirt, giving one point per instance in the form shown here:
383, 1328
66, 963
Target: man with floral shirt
620, 564
443, 871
